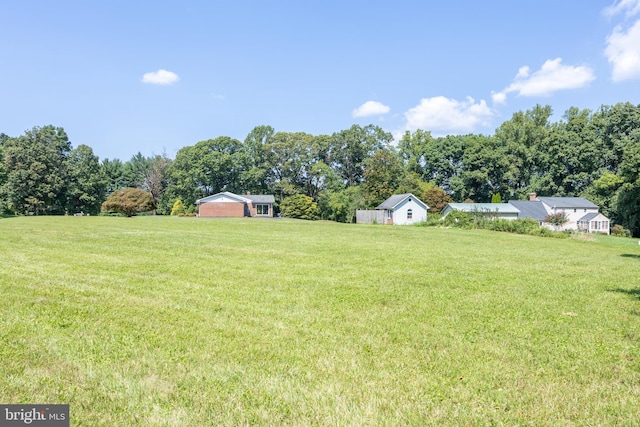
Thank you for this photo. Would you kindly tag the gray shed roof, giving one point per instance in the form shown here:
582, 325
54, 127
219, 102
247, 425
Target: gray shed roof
567, 202
530, 209
396, 199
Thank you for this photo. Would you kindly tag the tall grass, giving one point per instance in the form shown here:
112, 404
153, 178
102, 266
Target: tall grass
188, 321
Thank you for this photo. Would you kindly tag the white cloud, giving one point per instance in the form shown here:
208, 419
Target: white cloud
523, 72
160, 77
443, 115
630, 7
623, 44
370, 108
551, 77
499, 98
623, 52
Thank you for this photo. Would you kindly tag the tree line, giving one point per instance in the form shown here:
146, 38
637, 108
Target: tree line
593, 154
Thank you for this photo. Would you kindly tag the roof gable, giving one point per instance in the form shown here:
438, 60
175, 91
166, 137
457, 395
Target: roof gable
223, 195
396, 199
249, 198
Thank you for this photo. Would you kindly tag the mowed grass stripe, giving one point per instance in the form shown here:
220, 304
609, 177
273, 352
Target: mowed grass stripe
187, 321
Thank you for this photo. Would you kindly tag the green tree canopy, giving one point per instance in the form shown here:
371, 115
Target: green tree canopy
3, 172
255, 176
87, 182
206, 168
349, 149
114, 174
382, 175
36, 171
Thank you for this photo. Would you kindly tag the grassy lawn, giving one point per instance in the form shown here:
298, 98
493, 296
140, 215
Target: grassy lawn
193, 322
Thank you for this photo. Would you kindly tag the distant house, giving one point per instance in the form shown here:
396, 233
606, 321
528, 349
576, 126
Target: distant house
582, 214
530, 209
399, 209
492, 210
226, 204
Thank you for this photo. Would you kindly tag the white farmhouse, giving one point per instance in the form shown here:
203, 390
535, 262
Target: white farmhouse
582, 214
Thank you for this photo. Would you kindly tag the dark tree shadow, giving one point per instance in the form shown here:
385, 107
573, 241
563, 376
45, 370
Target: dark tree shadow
635, 293
630, 256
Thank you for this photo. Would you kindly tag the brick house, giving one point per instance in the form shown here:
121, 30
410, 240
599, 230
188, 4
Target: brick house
226, 204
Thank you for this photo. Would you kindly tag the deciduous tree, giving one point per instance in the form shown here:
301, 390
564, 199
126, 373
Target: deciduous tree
3, 172
129, 202
520, 137
350, 148
382, 175
206, 168
36, 171
87, 183
255, 176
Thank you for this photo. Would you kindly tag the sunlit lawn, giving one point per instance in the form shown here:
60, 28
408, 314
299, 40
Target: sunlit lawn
194, 322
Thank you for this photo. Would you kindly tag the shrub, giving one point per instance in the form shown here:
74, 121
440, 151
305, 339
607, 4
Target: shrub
178, 208
526, 226
432, 221
620, 231
557, 219
459, 219
129, 202
299, 206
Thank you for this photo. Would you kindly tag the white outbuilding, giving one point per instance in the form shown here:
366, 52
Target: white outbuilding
403, 209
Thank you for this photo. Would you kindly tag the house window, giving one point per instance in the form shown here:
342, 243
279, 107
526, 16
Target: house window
605, 225
388, 214
575, 210
262, 209
410, 214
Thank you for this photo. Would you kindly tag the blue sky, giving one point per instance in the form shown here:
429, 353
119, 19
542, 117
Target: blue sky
155, 76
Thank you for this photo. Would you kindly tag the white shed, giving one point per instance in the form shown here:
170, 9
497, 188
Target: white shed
403, 209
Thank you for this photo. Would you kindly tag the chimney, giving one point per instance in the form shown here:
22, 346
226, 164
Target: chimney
533, 197
248, 193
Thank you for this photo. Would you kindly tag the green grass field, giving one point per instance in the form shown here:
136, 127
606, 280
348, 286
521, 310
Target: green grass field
198, 322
